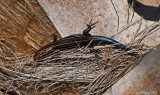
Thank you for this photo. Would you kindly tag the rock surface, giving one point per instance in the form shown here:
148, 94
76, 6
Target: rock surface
115, 18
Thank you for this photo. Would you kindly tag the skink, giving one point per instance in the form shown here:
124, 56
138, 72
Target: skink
76, 41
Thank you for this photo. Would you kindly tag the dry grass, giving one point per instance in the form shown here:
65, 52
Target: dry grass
77, 69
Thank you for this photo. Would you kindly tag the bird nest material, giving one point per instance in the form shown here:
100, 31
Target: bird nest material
78, 69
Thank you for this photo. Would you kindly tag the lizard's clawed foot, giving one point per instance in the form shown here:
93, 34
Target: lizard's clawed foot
90, 26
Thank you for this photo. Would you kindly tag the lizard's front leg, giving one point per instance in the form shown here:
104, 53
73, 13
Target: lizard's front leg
89, 28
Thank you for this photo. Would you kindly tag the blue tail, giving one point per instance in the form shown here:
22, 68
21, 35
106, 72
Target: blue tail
101, 40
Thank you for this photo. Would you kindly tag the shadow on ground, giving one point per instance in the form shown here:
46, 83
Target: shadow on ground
147, 12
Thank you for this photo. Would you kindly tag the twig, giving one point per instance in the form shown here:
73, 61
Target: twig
117, 15
126, 28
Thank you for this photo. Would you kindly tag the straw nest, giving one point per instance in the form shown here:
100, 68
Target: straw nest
78, 70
